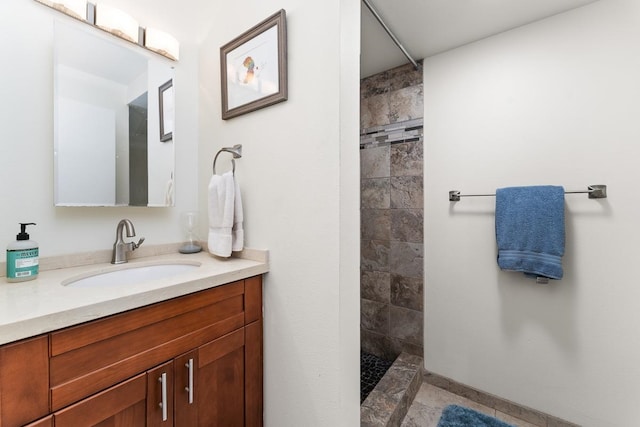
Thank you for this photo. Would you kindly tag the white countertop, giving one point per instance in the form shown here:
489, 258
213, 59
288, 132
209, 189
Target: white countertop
44, 304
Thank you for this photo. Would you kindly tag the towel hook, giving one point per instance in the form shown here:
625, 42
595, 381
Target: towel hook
236, 151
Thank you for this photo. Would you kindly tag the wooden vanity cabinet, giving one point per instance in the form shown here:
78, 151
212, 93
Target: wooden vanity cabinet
201, 388
191, 361
122, 405
44, 422
24, 381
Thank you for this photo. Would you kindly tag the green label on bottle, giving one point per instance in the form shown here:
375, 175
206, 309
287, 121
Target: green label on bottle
22, 263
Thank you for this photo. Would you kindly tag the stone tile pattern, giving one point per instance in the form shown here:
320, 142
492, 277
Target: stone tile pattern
392, 213
372, 369
388, 403
437, 392
392, 96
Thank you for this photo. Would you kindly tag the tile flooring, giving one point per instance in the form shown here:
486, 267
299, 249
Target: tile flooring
428, 404
372, 369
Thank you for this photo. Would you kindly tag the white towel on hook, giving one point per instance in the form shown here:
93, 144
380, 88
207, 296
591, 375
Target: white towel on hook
221, 207
238, 217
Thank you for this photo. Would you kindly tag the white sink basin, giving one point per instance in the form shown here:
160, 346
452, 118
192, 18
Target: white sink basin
130, 274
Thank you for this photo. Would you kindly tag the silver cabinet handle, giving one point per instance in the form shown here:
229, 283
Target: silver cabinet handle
189, 388
163, 404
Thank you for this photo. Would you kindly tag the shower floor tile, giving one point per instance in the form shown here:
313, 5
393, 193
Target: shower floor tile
372, 369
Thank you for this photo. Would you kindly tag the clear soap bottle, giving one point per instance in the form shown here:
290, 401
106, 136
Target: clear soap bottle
22, 257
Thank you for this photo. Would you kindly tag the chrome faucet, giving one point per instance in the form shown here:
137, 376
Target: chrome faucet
120, 248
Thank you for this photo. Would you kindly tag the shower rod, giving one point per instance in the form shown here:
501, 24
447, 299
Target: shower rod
594, 191
388, 30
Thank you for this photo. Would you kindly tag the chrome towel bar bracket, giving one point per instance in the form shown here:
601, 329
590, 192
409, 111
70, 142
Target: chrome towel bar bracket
236, 151
594, 192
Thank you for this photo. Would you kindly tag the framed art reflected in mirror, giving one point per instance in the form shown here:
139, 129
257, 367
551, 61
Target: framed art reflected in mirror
167, 109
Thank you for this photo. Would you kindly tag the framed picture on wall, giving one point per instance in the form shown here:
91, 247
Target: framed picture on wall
167, 110
254, 67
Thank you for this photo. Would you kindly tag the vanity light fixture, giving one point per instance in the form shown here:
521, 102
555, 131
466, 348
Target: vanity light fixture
163, 43
117, 22
74, 8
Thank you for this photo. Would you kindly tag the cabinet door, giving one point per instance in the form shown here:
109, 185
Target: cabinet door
122, 405
24, 381
160, 396
220, 393
185, 369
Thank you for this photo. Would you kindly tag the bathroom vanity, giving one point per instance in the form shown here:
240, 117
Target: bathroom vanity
186, 360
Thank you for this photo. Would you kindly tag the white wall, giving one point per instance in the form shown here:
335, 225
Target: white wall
299, 176
26, 151
555, 102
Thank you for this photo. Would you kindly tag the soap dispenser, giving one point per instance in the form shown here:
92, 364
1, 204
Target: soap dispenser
22, 257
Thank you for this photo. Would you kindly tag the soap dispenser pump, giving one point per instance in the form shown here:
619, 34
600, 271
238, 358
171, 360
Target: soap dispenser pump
22, 257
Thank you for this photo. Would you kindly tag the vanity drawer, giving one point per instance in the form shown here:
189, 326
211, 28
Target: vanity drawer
91, 357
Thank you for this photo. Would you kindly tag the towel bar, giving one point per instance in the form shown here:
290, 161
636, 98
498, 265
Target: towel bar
236, 150
594, 191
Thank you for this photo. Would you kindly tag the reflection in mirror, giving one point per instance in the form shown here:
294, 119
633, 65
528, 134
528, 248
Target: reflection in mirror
107, 145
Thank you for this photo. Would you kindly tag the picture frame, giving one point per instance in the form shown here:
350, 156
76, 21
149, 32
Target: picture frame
253, 68
166, 102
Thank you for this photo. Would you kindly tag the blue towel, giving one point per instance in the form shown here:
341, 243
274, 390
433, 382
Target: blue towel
530, 230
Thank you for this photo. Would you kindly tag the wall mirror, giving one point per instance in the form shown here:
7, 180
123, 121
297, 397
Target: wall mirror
109, 149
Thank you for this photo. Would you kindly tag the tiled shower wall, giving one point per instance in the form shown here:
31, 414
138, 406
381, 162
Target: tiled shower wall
392, 213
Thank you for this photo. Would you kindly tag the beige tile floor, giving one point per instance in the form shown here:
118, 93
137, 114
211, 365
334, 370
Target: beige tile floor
428, 404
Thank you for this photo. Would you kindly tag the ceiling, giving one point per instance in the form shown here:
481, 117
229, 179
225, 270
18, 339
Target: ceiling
424, 27
428, 27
